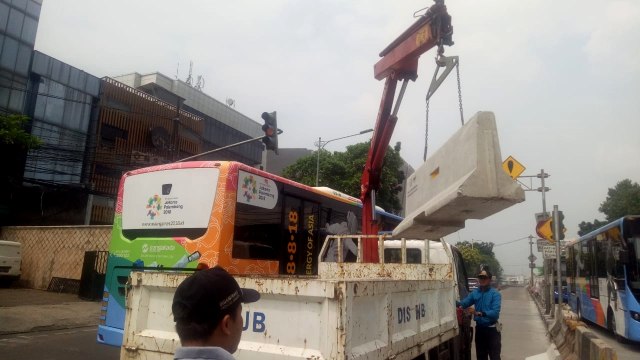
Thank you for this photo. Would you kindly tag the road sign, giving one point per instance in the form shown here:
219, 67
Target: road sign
549, 252
512, 167
532, 258
540, 243
543, 229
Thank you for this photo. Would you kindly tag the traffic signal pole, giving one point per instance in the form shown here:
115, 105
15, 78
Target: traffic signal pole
557, 237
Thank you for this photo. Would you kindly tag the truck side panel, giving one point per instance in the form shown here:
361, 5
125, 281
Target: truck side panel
298, 318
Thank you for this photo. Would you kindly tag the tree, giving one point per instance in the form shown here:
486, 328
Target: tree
477, 254
587, 227
12, 132
623, 199
342, 171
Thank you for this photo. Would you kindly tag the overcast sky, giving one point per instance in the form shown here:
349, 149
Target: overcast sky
562, 77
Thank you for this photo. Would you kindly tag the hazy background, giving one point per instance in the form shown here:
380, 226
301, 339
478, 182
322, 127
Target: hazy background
562, 77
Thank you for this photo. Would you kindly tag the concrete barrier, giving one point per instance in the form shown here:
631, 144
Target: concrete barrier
572, 338
575, 341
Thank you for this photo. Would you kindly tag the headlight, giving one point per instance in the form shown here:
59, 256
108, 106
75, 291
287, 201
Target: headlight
635, 316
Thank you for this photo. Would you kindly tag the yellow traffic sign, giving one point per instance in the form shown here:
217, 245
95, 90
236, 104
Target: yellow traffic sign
543, 229
512, 167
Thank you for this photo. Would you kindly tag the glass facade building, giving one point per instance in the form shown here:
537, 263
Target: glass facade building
18, 27
62, 107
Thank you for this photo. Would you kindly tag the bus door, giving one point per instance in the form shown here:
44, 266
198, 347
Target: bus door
299, 250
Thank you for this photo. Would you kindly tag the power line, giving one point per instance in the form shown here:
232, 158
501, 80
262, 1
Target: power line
512, 241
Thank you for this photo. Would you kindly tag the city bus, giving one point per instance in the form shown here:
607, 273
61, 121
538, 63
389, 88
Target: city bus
603, 277
194, 215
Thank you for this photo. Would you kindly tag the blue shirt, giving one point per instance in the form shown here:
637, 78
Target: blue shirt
202, 353
487, 301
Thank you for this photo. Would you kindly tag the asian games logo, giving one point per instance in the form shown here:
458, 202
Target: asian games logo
154, 204
250, 188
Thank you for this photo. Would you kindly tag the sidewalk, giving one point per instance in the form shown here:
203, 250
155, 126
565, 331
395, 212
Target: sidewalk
25, 310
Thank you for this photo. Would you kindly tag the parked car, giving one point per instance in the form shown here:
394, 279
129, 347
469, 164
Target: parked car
473, 283
10, 259
565, 294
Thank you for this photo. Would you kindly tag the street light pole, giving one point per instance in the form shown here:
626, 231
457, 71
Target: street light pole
321, 144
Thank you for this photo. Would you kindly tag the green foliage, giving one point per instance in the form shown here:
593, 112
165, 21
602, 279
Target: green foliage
623, 199
12, 132
477, 254
342, 171
587, 227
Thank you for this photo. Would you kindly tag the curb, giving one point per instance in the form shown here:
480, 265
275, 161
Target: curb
572, 338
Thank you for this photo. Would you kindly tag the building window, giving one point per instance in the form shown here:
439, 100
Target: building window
9, 54
16, 18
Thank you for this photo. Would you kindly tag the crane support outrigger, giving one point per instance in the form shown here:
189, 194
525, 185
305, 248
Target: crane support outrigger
399, 62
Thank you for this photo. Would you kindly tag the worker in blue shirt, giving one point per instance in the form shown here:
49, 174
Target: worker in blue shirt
487, 301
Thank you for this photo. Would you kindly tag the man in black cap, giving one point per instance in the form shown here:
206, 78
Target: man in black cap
207, 309
487, 301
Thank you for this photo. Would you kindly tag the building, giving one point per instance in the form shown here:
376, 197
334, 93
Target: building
62, 105
285, 157
18, 27
223, 125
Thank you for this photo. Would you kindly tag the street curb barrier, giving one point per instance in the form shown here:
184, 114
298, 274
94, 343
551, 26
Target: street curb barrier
574, 341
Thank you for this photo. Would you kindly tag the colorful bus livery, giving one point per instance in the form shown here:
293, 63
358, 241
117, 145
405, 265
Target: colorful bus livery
190, 215
603, 277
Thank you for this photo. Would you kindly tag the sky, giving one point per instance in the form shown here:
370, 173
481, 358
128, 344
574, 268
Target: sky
561, 77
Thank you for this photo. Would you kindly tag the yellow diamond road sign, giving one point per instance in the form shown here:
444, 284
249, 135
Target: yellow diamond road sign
512, 167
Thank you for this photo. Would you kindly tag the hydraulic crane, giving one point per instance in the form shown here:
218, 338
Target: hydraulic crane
399, 62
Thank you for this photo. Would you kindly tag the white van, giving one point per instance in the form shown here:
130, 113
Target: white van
10, 259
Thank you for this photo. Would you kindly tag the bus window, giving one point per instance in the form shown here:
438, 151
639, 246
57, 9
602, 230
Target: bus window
256, 234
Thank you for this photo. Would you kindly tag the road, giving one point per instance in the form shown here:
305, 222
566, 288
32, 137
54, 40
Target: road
523, 335
523, 330
69, 344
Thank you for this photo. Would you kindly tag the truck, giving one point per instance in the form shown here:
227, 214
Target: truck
400, 309
393, 299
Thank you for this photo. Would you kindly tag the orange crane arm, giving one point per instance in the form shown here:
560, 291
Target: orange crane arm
399, 62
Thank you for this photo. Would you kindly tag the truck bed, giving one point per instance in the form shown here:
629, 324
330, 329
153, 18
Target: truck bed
381, 311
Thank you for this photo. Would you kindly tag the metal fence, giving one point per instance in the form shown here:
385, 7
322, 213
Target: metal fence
55, 252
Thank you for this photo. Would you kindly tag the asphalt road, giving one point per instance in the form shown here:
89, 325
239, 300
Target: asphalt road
69, 344
524, 335
523, 330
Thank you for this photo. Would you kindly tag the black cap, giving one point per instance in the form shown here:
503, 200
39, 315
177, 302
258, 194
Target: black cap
208, 295
485, 273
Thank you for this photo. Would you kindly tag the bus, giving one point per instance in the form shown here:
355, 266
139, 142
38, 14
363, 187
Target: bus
194, 215
603, 277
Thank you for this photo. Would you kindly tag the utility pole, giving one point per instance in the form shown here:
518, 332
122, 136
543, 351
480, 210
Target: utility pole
556, 237
548, 297
531, 263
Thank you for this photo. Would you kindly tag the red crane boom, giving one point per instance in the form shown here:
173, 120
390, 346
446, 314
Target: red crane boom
399, 62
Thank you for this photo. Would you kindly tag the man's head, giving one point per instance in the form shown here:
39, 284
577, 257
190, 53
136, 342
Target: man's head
484, 277
207, 309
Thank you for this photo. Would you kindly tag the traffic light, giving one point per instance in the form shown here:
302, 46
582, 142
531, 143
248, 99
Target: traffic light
270, 129
561, 227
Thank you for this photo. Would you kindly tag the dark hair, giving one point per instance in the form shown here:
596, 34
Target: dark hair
199, 331
203, 299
